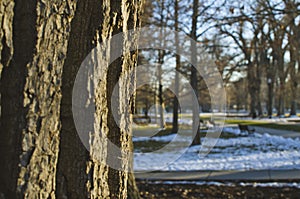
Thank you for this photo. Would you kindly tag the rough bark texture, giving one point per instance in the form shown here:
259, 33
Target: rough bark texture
106, 181
20, 35
81, 176
42, 98
10, 84
73, 156
6, 32
31, 86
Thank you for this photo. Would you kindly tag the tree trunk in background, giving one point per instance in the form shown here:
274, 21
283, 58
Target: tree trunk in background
194, 83
176, 89
294, 59
294, 86
258, 89
252, 89
161, 56
278, 57
160, 95
282, 77
293, 83
161, 107
270, 82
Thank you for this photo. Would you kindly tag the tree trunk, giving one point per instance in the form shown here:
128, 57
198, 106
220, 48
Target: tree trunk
176, 89
160, 89
294, 58
278, 56
34, 44
73, 156
42, 99
294, 86
194, 83
258, 88
108, 169
252, 89
270, 96
161, 56
281, 88
11, 84
281, 97
30, 87
80, 176
132, 189
270, 82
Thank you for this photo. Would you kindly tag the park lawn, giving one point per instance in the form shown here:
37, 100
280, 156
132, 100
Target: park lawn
266, 124
190, 116
149, 130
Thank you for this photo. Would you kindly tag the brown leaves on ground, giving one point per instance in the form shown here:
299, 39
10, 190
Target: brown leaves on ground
192, 191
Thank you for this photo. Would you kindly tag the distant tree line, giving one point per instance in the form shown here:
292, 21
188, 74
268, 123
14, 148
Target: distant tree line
255, 45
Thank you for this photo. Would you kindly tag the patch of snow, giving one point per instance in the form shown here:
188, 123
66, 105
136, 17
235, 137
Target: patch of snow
255, 152
166, 138
251, 184
235, 131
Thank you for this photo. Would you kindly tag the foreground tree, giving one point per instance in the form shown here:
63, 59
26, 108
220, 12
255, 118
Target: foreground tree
41, 54
30, 124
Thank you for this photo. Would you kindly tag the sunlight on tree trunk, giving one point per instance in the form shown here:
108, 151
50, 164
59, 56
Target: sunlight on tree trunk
38, 67
42, 98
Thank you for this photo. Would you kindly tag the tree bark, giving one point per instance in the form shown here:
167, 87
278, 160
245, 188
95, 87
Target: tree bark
42, 98
293, 84
293, 36
106, 181
161, 56
35, 53
252, 90
194, 84
160, 89
73, 156
30, 87
11, 84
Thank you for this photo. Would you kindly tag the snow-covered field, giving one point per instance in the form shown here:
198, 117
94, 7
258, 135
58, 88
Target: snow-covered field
231, 152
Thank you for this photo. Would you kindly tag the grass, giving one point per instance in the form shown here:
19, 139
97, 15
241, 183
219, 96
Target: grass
149, 146
288, 127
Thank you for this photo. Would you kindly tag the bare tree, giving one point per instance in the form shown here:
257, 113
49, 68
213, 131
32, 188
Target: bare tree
176, 89
193, 34
294, 51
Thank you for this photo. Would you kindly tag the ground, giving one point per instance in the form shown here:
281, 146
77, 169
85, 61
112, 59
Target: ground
191, 191
266, 150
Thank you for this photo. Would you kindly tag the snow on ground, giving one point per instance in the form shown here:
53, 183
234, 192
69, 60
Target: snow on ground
252, 184
254, 152
166, 138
